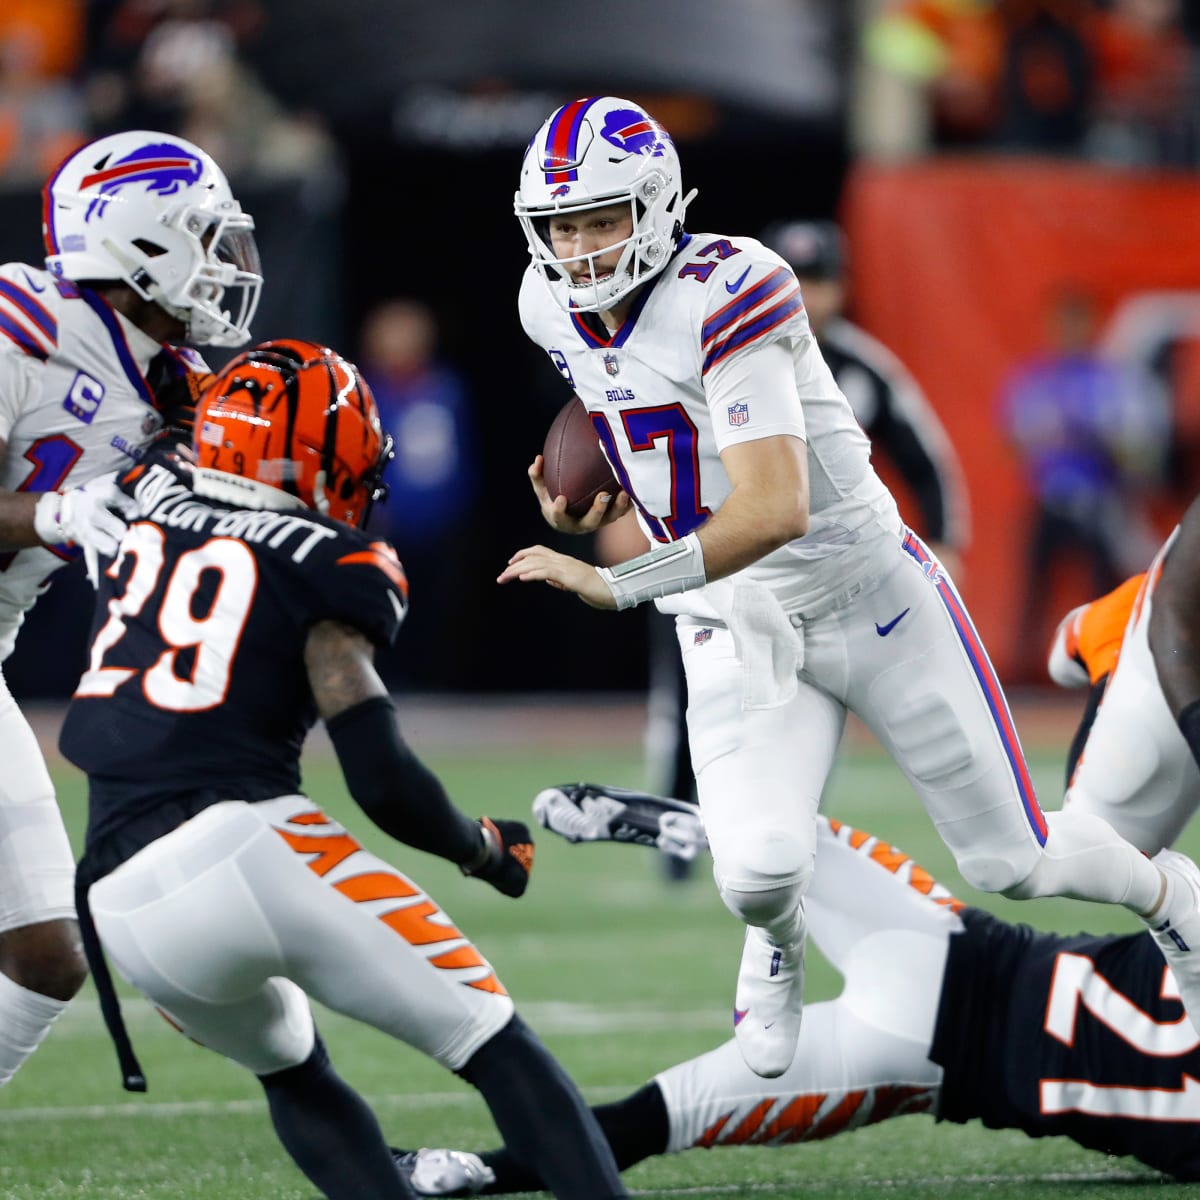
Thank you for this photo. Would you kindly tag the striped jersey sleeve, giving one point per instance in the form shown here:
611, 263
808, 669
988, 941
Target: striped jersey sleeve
28, 335
27, 320
749, 307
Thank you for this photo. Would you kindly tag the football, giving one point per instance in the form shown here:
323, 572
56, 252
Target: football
573, 465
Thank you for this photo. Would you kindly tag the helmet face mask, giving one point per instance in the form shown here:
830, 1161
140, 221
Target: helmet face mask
592, 154
155, 212
291, 424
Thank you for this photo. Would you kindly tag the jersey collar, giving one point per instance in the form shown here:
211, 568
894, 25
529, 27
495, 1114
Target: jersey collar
134, 348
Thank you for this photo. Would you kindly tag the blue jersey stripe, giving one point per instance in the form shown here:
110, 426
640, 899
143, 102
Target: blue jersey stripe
31, 308
757, 328
124, 355
728, 315
18, 334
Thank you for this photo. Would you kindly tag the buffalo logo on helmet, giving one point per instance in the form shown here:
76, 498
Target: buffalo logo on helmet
160, 167
561, 190
633, 132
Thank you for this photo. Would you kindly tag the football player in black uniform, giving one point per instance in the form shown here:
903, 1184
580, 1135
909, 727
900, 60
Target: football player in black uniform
946, 1009
245, 600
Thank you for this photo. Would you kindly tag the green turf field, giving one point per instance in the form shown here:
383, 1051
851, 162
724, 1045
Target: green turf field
621, 973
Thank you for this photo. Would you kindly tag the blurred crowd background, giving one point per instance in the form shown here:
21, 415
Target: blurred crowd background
1018, 182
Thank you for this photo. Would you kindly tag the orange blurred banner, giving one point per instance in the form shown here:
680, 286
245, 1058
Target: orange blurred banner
953, 265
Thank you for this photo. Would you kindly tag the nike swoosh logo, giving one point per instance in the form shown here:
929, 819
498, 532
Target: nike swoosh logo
884, 630
734, 287
33, 287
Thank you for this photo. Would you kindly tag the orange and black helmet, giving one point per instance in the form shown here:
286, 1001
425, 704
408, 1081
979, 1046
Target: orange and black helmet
300, 418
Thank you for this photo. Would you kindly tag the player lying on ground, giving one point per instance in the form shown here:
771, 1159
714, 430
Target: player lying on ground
946, 1010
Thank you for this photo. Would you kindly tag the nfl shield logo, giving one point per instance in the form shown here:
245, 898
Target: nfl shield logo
702, 636
739, 414
611, 364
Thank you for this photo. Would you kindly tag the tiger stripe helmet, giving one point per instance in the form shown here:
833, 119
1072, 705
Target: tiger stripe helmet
290, 423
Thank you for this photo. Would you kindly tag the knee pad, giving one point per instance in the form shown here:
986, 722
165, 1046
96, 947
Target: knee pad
763, 877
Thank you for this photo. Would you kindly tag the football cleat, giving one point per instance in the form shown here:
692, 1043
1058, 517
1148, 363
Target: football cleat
768, 1003
444, 1172
1177, 932
592, 812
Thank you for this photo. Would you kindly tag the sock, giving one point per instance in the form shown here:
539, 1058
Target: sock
25, 1019
331, 1133
1086, 859
547, 1128
636, 1128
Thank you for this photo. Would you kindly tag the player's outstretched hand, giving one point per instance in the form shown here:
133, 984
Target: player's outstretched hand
559, 571
85, 516
509, 856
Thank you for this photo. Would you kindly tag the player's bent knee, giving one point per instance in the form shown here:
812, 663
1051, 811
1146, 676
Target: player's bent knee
762, 877
999, 874
46, 958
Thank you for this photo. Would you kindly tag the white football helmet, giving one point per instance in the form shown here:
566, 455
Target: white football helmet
589, 154
156, 212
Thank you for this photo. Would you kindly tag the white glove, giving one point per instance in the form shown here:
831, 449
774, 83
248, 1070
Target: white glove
83, 516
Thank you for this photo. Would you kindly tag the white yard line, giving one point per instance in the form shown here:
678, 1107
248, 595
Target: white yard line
83, 1018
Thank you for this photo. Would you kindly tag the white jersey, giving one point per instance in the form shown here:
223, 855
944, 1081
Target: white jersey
74, 404
666, 396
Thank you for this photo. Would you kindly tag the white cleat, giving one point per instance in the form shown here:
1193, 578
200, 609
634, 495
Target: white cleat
1177, 931
450, 1173
769, 998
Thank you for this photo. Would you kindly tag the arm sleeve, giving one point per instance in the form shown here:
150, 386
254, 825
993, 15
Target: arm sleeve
395, 789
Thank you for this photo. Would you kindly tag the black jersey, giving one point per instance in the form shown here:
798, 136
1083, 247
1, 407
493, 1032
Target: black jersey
895, 414
1080, 1036
196, 688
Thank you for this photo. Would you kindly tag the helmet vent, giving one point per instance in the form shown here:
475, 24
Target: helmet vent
148, 248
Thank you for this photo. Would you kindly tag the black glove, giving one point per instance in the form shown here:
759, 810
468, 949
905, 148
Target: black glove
176, 399
507, 856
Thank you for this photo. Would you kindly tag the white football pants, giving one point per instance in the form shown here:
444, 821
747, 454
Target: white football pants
903, 655
228, 921
1136, 770
885, 925
37, 868
901, 652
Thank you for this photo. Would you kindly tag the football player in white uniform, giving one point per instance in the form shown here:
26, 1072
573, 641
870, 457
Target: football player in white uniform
145, 247
1139, 650
800, 594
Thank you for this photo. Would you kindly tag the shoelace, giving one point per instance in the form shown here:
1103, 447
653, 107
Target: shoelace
571, 821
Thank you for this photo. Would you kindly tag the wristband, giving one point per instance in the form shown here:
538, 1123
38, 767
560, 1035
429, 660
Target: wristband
48, 519
665, 570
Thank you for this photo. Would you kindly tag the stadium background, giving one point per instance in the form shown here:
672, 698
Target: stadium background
378, 145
